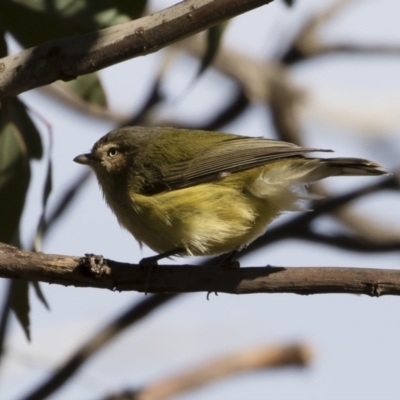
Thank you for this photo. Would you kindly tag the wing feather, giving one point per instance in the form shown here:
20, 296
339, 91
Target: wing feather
227, 157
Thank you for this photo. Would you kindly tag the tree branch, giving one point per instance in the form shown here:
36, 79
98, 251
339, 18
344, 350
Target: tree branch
108, 274
260, 358
307, 43
70, 57
101, 337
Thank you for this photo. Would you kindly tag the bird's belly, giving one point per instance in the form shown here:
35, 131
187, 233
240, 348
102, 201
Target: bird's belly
211, 221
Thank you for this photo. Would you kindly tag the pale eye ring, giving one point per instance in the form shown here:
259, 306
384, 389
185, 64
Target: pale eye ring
112, 152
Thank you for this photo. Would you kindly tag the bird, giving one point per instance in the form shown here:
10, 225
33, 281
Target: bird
202, 193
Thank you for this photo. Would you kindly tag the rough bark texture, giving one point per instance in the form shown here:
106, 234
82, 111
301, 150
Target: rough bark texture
70, 57
97, 272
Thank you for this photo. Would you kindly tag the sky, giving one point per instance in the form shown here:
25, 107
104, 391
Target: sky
354, 338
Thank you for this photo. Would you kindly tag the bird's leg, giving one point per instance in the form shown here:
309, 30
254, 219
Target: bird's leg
228, 260
151, 262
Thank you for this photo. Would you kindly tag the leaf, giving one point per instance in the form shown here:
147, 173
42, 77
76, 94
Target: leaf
3, 43
36, 24
48, 185
214, 36
40, 295
134, 9
20, 304
19, 141
18, 113
88, 88
14, 178
42, 20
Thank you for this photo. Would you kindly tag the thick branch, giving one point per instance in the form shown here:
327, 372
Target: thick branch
108, 274
70, 57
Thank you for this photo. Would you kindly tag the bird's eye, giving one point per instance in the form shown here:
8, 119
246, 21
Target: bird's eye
112, 152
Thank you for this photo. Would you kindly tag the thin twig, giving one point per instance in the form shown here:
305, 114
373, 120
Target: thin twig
235, 107
260, 358
351, 242
66, 200
307, 44
98, 340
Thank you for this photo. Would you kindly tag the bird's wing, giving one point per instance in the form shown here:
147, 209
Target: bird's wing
227, 157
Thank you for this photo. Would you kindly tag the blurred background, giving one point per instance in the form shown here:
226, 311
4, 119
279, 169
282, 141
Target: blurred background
322, 74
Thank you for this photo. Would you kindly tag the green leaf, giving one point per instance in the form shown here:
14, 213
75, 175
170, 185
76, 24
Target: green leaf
20, 304
3, 43
42, 20
40, 295
133, 8
19, 141
18, 114
48, 185
88, 88
14, 178
214, 36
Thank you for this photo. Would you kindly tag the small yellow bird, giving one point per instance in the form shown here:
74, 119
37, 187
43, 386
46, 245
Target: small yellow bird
193, 192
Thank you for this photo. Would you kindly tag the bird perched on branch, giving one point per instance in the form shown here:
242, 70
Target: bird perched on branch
191, 192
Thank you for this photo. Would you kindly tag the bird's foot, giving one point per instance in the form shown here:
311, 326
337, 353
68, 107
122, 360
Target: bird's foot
229, 262
150, 263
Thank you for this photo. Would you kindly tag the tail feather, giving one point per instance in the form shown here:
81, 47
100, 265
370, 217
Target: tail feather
352, 167
285, 183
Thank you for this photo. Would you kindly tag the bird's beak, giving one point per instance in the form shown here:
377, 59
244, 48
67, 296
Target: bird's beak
85, 159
